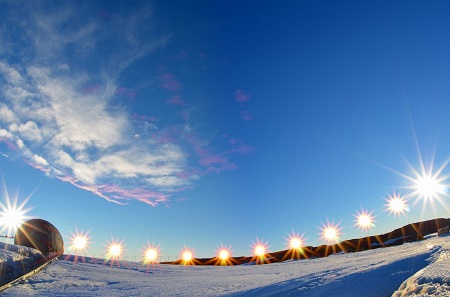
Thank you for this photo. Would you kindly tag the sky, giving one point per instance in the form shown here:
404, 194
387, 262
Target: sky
199, 124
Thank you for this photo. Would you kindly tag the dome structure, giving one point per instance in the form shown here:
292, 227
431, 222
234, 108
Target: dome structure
41, 235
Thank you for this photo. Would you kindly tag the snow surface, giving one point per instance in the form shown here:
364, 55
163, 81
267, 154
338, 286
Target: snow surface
16, 260
413, 268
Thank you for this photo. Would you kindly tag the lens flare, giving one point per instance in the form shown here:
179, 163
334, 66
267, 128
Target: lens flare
12, 216
260, 251
224, 254
330, 232
187, 256
429, 186
294, 241
79, 241
114, 251
364, 220
396, 205
150, 255
223, 257
295, 245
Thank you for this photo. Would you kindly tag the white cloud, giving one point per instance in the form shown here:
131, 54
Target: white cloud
11, 75
66, 128
7, 115
30, 131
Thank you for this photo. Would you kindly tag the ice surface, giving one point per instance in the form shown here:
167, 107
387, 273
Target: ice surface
378, 272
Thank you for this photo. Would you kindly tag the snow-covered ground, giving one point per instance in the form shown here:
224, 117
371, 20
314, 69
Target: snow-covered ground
16, 260
411, 268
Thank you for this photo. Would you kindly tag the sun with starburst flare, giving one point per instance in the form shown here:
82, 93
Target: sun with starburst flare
150, 255
223, 257
428, 185
79, 241
12, 214
260, 251
330, 232
295, 245
187, 256
364, 220
114, 251
396, 205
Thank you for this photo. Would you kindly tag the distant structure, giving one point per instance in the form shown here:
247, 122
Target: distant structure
443, 231
41, 235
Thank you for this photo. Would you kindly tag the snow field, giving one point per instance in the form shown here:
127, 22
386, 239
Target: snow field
376, 273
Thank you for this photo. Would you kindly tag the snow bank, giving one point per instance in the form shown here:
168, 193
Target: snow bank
16, 260
433, 280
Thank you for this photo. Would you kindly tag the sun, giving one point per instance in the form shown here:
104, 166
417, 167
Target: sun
79, 241
364, 220
295, 244
260, 251
330, 232
114, 251
428, 184
294, 241
12, 215
187, 256
396, 205
151, 253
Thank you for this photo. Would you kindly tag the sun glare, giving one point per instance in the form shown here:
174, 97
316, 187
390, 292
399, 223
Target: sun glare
187, 256
396, 205
115, 249
260, 251
429, 187
330, 232
79, 241
151, 255
224, 254
294, 241
12, 216
364, 220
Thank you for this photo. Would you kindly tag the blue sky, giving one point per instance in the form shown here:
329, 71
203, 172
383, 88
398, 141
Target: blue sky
201, 123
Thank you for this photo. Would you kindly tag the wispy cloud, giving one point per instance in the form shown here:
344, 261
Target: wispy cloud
177, 100
242, 98
58, 106
62, 106
169, 81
